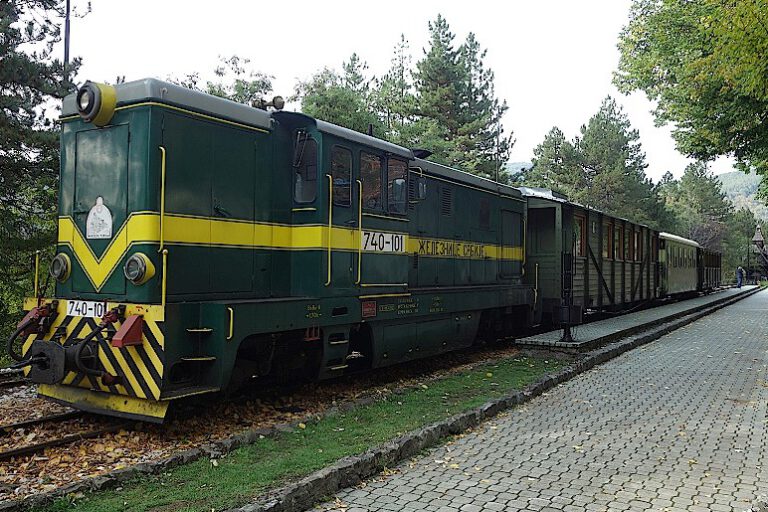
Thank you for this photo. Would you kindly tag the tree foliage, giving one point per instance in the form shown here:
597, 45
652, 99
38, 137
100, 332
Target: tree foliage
341, 98
446, 103
701, 210
30, 77
604, 167
705, 65
234, 81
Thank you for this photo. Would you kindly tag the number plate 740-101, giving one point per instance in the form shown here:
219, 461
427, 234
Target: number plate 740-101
86, 308
377, 241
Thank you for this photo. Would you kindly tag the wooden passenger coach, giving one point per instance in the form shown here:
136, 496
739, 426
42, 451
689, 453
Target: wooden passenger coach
609, 263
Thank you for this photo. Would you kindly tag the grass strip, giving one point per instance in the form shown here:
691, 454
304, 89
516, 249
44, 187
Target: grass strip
205, 485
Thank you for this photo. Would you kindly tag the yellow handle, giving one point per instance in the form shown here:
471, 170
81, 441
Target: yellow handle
165, 274
359, 231
231, 323
162, 199
330, 225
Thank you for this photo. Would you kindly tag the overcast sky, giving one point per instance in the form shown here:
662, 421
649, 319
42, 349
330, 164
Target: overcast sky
553, 59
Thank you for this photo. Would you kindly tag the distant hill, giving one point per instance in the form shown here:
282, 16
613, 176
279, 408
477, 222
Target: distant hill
741, 189
515, 167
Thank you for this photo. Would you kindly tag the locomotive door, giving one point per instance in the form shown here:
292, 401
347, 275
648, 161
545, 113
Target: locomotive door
344, 193
101, 195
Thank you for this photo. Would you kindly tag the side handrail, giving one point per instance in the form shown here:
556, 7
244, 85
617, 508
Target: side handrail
162, 199
330, 225
359, 231
165, 274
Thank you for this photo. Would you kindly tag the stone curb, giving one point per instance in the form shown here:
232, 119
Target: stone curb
346, 472
349, 471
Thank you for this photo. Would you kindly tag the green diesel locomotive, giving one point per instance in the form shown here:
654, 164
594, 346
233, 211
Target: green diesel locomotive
203, 242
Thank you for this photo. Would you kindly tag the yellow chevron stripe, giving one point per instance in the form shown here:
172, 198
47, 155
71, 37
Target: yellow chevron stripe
144, 227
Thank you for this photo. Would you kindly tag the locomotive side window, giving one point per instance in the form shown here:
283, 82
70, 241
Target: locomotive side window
370, 175
397, 176
341, 175
304, 168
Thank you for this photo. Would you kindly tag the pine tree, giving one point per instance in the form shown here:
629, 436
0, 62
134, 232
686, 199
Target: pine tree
30, 78
556, 165
702, 207
614, 166
455, 90
394, 99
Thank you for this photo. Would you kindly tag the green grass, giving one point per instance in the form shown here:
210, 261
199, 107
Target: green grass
250, 470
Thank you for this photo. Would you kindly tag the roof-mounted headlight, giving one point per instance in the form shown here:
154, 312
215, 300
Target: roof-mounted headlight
96, 103
139, 269
61, 267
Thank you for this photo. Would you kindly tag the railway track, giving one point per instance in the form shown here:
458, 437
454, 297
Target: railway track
12, 380
87, 432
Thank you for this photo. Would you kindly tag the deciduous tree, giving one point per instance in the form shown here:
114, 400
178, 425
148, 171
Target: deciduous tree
704, 64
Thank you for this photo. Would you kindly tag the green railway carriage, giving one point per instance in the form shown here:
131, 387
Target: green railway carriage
203, 242
710, 269
680, 266
608, 263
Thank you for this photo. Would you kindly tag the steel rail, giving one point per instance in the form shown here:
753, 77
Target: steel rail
72, 438
7, 429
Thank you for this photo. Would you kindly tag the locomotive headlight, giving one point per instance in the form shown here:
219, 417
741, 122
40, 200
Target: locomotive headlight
139, 269
96, 103
61, 267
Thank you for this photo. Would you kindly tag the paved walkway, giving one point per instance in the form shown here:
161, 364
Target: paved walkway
679, 424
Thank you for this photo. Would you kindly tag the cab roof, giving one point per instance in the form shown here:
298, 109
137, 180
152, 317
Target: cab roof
158, 91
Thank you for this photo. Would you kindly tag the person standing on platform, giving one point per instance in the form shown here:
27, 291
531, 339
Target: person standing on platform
739, 277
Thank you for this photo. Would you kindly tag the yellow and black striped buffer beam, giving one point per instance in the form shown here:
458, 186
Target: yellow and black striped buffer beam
139, 368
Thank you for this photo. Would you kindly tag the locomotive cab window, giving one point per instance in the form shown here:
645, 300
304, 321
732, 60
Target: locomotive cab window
397, 186
370, 175
341, 175
304, 168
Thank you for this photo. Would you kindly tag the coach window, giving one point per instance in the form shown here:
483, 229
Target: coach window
638, 246
607, 238
341, 174
618, 243
370, 175
304, 168
397, 185
580, 233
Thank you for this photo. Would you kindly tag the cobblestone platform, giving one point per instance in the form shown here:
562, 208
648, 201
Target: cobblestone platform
594, 333
677, 425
